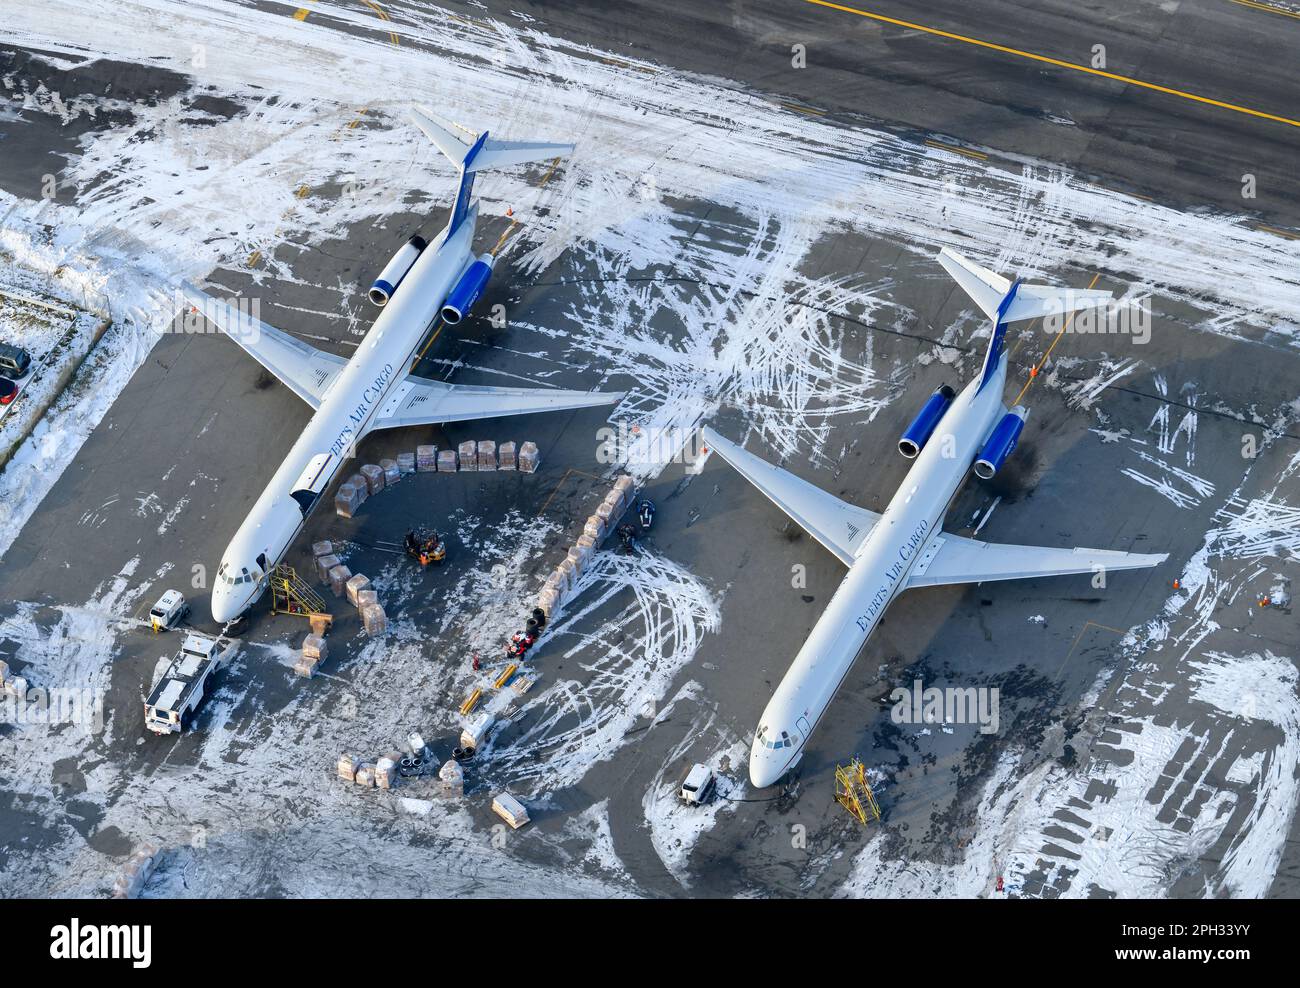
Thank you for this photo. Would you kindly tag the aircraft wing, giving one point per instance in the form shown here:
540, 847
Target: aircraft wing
421, 401
953, 559
305, 370
836, 524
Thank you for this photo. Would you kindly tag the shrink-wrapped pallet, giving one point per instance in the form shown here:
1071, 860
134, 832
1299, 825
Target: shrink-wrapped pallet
367, 596
358, 480
596, 528
469, 455
374, 475
624, 485
447, 461
451, 779
347, 499
568, 573
373, 619
339, 577
549, 600
616, 501
4, 670
305, 667
355, 585
366, 775
426, 459
580, 556
529, 457
587, 542
487, 455
319, 623
605, 512
323, 566
392, 472
314, 647
347, 768
319, 549
405, 463
506, 457
385, 773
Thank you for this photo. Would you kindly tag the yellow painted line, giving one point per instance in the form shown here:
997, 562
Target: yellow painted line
1276, 232
1267, 7
383, 16
1059, 63
802, 109
958, 150
253, 258
1034, 375
1079, 637
417, 360
301, 14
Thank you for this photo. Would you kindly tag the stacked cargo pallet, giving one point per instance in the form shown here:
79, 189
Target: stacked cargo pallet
473, 456
561, 584
139, 866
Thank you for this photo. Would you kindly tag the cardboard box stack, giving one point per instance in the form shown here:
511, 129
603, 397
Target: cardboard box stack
339, 577
373, 619
506, 457
323, 566
355, 586
487, 455
358, 480
561, 584
469, 455
447, 461
374, 475
529, 457
347, 499
405, 463
347, 768
139, 866
392, 473
426, 459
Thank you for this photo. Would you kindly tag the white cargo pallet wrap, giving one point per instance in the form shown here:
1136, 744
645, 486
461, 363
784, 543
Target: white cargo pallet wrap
510, 810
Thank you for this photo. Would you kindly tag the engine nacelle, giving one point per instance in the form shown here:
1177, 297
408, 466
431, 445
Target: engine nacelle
467, 290
395, 270
924, 424
1001, 443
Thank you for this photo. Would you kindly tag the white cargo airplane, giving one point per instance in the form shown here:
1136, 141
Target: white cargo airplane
373, 390
904, 547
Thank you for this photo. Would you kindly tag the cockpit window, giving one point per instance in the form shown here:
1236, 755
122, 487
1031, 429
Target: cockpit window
773, 743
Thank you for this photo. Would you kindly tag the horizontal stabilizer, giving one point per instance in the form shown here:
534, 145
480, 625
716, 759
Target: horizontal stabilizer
492, 154
421, 401
952, 559
988, 290
305, 370
839, 526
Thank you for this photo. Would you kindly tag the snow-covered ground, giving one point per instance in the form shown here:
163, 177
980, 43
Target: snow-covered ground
177, 191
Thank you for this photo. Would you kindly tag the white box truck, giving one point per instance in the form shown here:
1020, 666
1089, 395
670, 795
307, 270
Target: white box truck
171, 704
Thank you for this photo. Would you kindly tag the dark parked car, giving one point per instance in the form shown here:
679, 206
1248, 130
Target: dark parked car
14, 360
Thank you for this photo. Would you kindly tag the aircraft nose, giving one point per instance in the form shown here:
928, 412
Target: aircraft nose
225, 607
763, 769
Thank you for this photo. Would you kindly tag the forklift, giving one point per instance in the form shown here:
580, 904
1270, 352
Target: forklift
424, 546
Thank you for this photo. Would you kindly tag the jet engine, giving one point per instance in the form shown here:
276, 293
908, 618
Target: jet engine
924, 424
1001, 443
467, 290
395, 270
